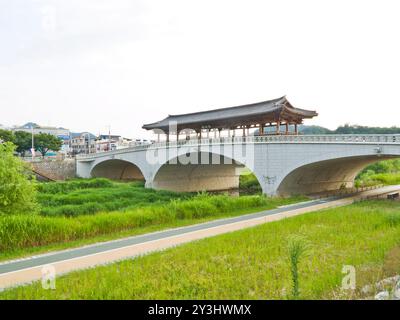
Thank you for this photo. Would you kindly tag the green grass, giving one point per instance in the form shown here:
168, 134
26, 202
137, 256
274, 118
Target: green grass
76, 184
378, 178
248, 184
252, 263
28, 231
80, 197
383, 172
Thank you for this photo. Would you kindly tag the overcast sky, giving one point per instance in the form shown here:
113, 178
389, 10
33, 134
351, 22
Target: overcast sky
88, 64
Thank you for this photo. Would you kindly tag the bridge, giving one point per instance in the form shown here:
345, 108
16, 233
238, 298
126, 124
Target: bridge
283, 164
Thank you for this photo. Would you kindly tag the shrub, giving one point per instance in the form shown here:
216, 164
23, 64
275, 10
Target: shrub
17, 188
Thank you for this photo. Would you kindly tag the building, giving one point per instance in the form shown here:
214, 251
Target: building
59, 132
106, 142
30, 126
83, 142
278, 114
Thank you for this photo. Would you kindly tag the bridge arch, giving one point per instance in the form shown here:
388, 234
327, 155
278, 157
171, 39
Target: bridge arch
325, 175
116, 169
199, 171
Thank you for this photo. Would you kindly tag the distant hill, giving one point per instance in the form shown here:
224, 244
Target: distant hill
345, 129
356, 129
349, 129
314, 130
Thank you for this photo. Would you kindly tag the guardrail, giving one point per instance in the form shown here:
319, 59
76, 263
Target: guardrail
383, 195
329, 138
346, 192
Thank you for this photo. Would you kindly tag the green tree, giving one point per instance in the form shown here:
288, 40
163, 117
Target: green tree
17, 189
45, 142
23, 140
7, 136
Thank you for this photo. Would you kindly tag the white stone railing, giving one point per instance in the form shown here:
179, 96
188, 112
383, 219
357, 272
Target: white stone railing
328, 138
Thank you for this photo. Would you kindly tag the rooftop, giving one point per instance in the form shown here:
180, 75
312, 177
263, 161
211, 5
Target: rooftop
261, 112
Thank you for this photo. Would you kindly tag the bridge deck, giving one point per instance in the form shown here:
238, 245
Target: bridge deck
329, 138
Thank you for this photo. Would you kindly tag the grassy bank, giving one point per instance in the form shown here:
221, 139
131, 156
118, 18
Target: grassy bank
82, 197
383, 172
28, 231
378, 178
252, 263
249, 184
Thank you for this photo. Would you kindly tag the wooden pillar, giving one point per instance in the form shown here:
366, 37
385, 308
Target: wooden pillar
219, 132
287, 128
296, 130
168, 137
244, 131
261, 129
208, 133
278, 127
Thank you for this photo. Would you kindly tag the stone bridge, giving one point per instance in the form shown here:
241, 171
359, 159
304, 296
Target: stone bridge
282, 164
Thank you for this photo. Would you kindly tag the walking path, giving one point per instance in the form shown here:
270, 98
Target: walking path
30, 269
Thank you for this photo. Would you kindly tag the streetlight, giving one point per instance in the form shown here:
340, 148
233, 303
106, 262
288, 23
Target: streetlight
33, 144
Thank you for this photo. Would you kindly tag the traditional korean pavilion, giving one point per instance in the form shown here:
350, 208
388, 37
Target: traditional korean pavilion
277, 113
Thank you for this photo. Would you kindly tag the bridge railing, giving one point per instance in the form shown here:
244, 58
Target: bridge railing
328, 138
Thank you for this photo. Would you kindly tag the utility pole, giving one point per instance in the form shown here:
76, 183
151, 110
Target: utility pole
88, 148
33, 144
109, 138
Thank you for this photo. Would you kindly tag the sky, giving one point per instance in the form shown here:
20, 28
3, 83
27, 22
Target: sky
87, 65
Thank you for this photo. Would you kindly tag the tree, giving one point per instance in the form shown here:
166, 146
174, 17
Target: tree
23, 140
17, 191
6, 136
45, 142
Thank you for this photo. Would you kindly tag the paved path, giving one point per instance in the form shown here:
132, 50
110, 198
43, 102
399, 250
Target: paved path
30, 269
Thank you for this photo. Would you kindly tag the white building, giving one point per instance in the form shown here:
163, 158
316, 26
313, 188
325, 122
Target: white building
55, 131
83, 142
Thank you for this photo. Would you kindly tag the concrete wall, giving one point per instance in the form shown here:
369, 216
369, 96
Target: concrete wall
191, 178
117, 170
56, 169
324, 175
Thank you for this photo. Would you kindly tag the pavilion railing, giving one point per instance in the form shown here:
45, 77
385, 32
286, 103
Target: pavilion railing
345, 138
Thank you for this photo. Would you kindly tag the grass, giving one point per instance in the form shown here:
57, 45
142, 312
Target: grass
19, 232
248, 183
252, 263
383, 172
80, 197
378, 178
